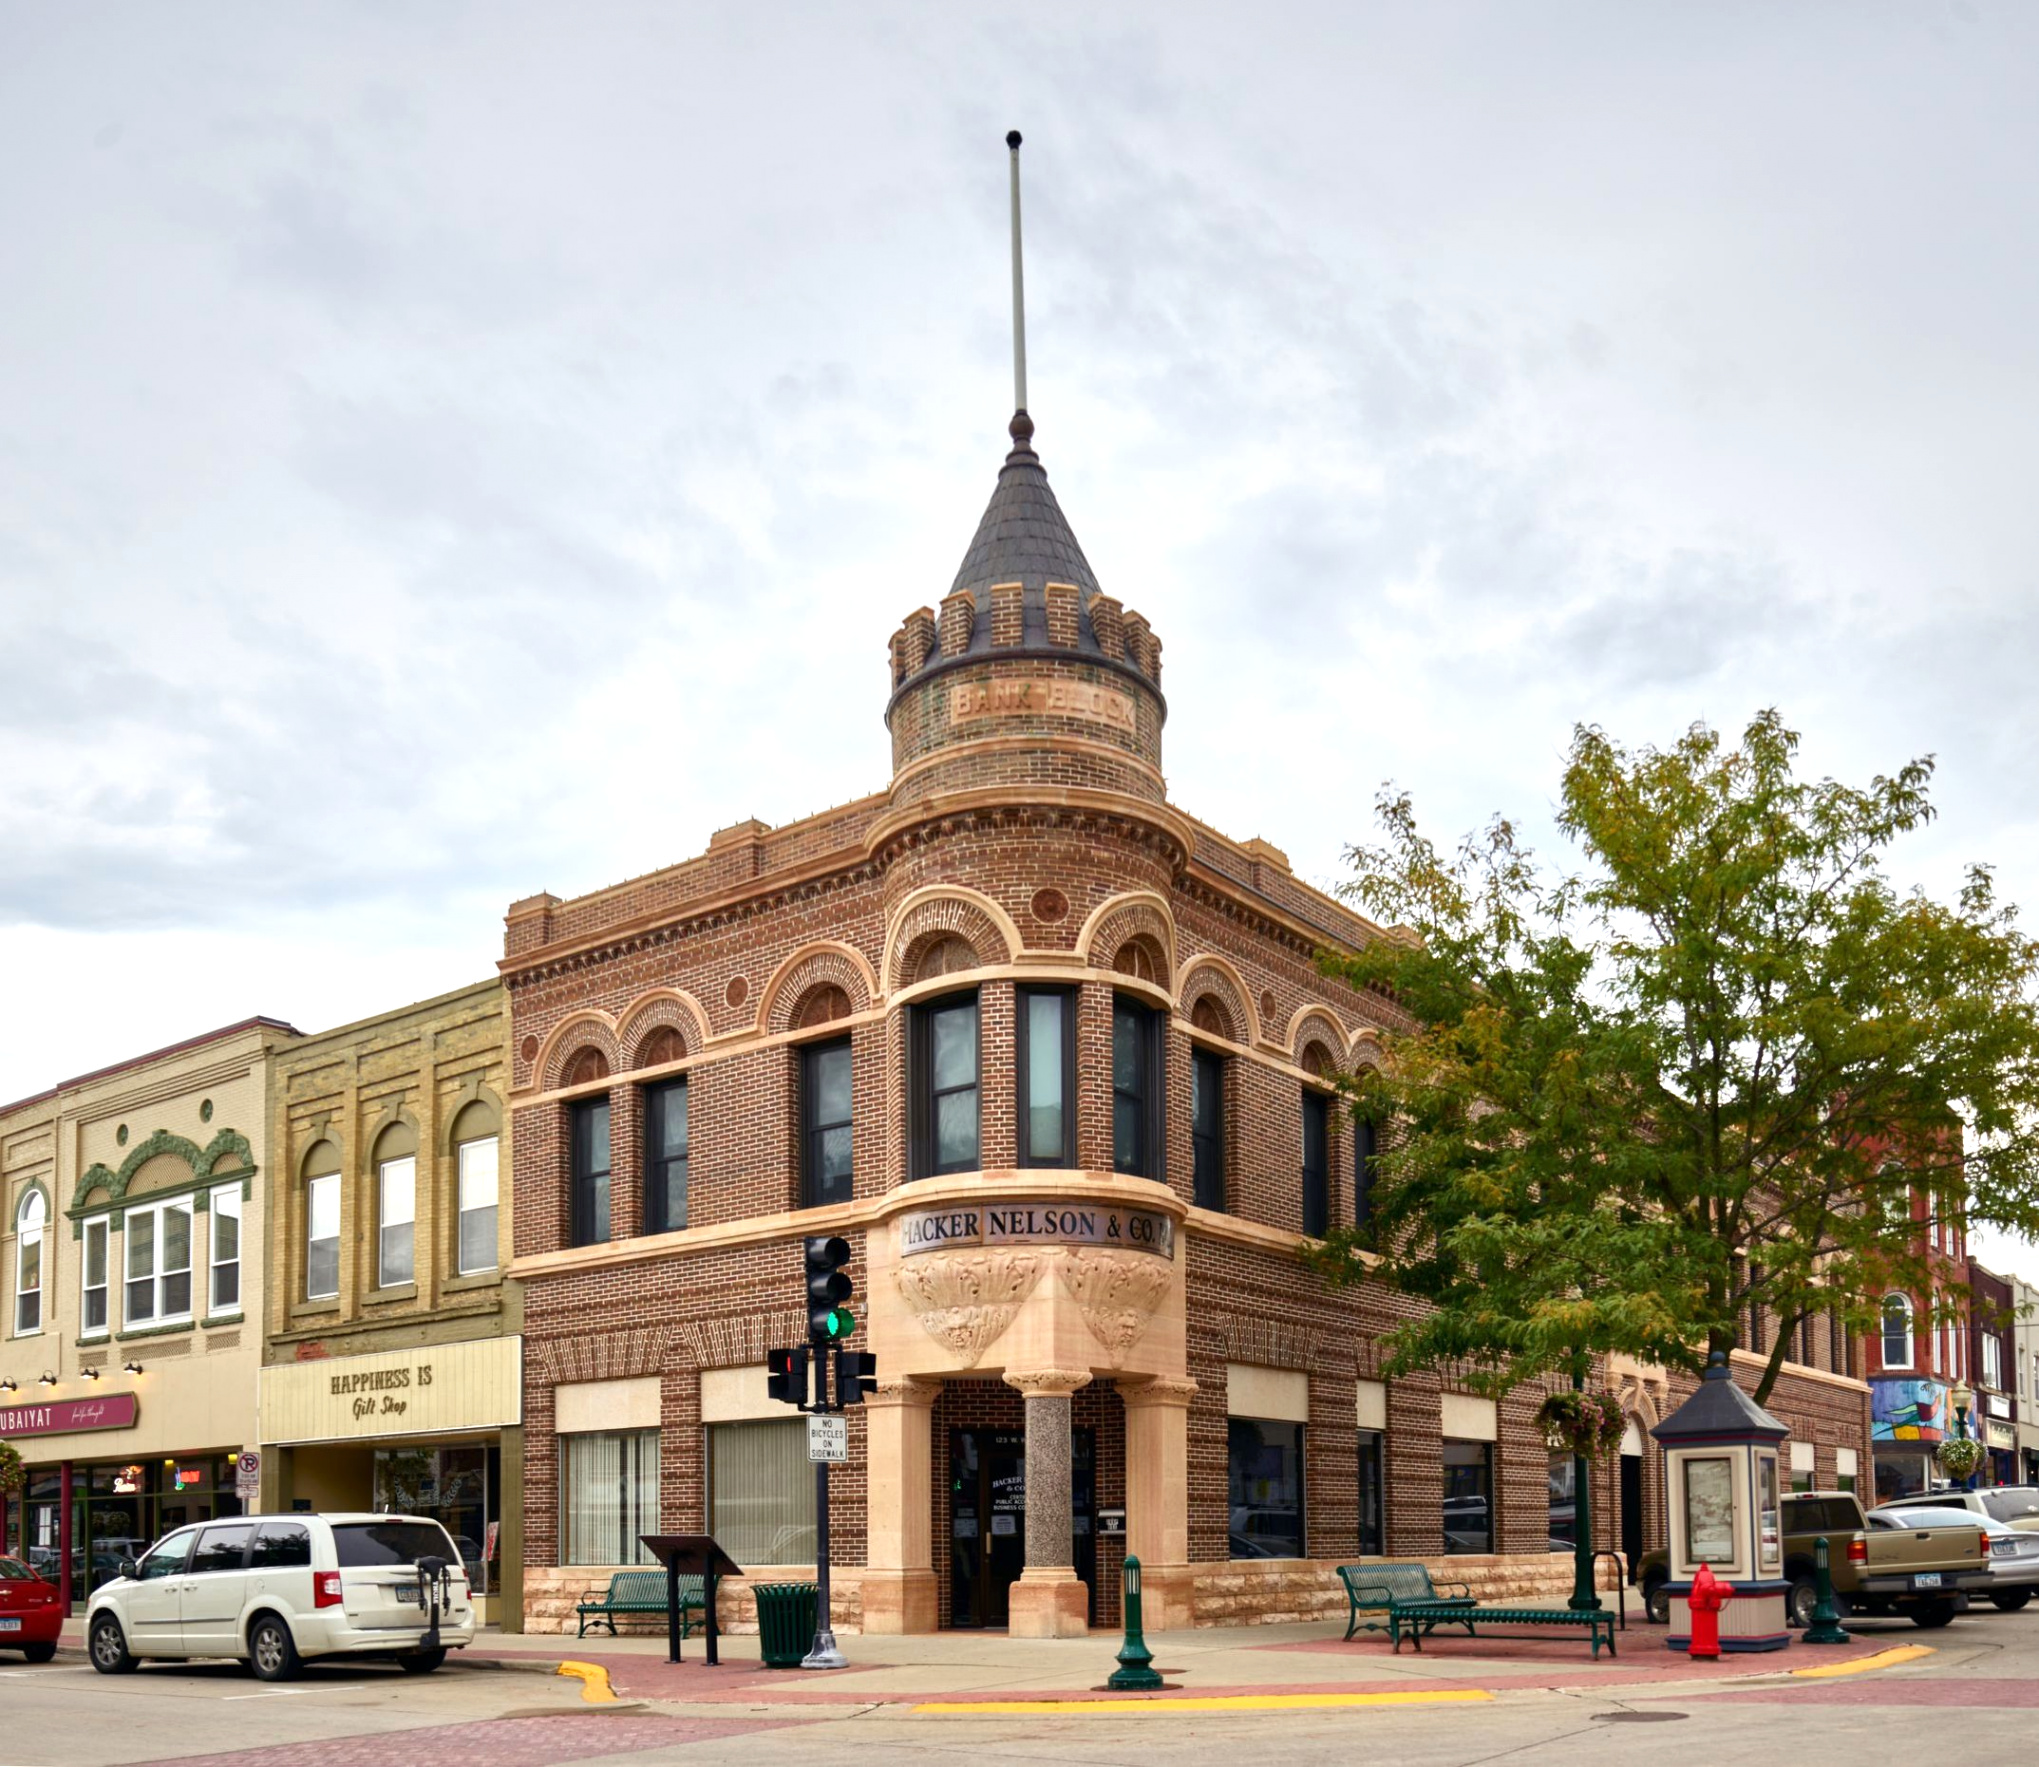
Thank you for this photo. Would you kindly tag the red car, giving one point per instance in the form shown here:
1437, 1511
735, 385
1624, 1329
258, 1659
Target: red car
30, 1613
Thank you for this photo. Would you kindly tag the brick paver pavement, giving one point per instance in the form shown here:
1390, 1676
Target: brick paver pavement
494, 1742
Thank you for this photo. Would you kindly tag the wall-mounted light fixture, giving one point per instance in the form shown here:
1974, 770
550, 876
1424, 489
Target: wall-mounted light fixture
91, 1374
130, 1368
48, 1379
7, 1386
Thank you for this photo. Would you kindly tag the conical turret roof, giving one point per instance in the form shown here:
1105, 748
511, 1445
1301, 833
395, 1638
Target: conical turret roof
1023, 536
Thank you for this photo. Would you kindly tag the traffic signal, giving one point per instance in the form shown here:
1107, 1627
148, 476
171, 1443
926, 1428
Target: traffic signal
828, 1287
856, 1373
786, 1376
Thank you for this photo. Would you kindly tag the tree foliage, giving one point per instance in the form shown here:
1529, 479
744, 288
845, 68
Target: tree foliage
1707, 1071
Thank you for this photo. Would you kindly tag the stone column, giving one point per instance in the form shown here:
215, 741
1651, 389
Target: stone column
1049, 1601
899, 1576
1157, 1497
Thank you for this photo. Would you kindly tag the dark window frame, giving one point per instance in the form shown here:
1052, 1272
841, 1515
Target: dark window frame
1366, 1153
921, 1138
1293, 1433
1207, 1080
582, 1175
1151, 1160
1023, 999
658, 1164
1373, 1518
812, 1178
1316, 1178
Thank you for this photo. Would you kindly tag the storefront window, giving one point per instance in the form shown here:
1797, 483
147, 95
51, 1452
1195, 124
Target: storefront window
608, 1496
119, 1509
1564, 1501
761, 1492
1264, 1484
1468, 1497
458, 1488
1372, 1493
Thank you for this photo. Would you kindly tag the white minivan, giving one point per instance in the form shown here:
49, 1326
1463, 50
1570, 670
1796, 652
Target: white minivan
274, 1590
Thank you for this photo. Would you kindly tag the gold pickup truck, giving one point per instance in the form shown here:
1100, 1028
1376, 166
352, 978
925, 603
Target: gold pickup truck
1879, 1567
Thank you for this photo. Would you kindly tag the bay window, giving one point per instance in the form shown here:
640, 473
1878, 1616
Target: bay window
158, 1263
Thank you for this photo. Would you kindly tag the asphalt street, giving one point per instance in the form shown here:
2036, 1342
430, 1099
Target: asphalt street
1979, 1684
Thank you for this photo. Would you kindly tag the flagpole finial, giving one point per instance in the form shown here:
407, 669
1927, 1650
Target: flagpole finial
1019, 298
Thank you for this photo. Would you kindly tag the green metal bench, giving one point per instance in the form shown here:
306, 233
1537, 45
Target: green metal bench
1414, 1609
641, 1592
1385, 1588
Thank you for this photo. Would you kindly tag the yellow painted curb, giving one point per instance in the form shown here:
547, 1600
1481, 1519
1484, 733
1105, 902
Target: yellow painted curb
594, 1680
1231, 1702
1883, 1659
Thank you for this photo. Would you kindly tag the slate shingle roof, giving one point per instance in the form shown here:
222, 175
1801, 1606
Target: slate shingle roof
1023, 537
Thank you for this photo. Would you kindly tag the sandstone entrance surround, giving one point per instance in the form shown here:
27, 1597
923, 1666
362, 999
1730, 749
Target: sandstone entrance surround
1048, 1281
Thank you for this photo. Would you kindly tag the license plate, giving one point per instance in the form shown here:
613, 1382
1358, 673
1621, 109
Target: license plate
1926, 1580
409, 1592
10, 1625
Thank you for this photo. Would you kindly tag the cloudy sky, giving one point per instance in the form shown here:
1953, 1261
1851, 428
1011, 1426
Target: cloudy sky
454, 450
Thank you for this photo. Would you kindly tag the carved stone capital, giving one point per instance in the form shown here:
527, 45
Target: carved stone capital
965, 1299
1117, 1293
905, 1392
1043, 1383
1161, 1390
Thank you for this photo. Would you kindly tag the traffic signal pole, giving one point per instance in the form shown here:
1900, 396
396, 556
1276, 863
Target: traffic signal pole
824, 1655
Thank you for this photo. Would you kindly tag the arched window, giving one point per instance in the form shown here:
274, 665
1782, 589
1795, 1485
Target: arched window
28, 1226
475, 1144
396, 1206
322, 1222
1897, 1331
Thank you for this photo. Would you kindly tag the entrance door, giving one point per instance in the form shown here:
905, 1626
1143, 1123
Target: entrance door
1631, 1509
988, 1519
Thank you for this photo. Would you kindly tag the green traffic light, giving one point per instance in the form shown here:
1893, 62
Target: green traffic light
841, 1322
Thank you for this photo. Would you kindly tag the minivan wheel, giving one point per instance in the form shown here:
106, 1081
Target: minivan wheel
110, 1654
1932, 1615
421, 1662
2009, 1600
272, 1652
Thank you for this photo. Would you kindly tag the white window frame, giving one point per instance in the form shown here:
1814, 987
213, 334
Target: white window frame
404, 1167
228, 1195
313, 1191
100, 1227
30, 1236
1911, 1335
157, 1213
463, 1207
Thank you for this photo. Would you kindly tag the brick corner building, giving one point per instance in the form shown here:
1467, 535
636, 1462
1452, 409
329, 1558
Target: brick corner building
1053, 1056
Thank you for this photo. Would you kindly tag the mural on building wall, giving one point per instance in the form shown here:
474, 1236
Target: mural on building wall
1907, 1411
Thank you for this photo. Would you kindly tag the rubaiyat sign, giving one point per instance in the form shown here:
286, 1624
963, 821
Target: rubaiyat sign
1042, 1223
117, 1411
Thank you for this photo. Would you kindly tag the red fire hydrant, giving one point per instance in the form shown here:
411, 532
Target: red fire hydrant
1709, 1595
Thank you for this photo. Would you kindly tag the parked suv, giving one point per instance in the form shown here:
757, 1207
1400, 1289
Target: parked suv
2016, 1506
275, 1590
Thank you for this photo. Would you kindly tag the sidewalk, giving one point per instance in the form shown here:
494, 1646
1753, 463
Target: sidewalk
1296, 1660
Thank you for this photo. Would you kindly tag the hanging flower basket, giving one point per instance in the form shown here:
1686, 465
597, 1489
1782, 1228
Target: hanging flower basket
1961, 1457
12, 1475
1589, 1424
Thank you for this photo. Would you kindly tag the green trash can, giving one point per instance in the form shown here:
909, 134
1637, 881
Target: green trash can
785, 1623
